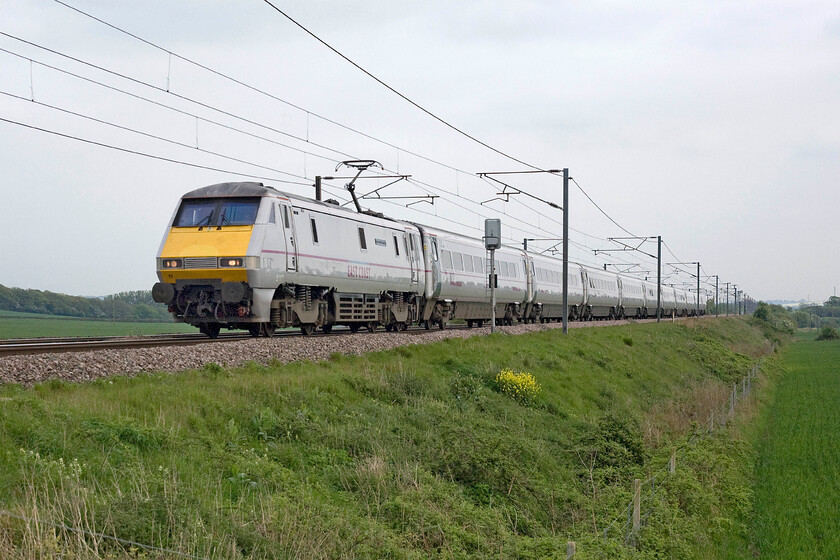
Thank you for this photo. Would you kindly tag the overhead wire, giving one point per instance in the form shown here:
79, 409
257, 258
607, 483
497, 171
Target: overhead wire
174, 109
401, 95
163, 90
308, 112
250, 87
258, 90
149, 135
290, 104
152, 156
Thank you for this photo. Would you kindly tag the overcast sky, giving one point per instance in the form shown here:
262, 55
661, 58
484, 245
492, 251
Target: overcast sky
713, 124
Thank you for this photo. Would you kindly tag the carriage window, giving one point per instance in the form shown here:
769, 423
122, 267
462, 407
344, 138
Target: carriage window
314, 230
447, 259
434, 249
459, 261
479, 265
286, 216
503, 267
396, 246
272, 218
362, 240
468, 263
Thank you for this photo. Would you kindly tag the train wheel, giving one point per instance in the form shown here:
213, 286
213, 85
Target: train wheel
354, 327
442, 324
211, 330
401, 327
479, 323
389, 327
267, 330
326, 328
371, 326
254, 330
428, 325
469, 323
307, 329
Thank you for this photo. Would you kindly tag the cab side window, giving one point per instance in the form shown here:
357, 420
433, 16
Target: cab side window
362, 240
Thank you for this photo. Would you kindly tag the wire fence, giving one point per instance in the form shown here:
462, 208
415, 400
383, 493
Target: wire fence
632, 518
100, 536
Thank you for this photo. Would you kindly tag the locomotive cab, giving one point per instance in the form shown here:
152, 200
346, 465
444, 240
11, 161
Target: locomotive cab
210, 256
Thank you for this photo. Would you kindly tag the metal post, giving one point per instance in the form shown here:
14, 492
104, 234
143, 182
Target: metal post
637, 502
698, 289
492, 290
727, 299
659, 279
717, 279
317, 187
565, 250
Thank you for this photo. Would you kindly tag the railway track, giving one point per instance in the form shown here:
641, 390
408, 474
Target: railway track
30, 346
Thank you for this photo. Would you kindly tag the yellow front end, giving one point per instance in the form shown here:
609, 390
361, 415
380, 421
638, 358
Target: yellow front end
193, 248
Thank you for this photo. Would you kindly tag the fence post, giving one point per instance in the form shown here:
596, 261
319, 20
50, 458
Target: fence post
570, 550
732, 401
672, 464
637, 504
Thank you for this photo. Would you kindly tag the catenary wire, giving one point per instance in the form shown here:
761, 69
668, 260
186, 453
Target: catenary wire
297, 107
261, 91
175, 109
227, 113
151, 156
163, 90
402, 96
270, 95
149, 135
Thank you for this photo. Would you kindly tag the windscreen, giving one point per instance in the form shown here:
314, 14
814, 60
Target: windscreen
198, 212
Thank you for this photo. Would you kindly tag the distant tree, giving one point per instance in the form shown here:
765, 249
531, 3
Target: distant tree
144, 312
828, 333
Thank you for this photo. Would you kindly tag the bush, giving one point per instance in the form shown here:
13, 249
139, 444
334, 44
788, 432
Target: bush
520, 386
828, 333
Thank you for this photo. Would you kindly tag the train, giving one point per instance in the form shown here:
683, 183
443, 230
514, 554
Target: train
246, 256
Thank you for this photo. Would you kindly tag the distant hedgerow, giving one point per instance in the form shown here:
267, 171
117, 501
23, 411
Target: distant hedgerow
520, 386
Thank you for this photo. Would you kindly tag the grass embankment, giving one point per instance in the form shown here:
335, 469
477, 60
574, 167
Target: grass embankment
797, 493
411, 453
32, 325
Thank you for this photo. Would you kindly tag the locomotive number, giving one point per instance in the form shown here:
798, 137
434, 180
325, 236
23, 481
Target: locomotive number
358, 271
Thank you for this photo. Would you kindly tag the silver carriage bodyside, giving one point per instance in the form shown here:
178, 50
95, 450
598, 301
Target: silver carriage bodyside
603, 296
548, 288
457, 279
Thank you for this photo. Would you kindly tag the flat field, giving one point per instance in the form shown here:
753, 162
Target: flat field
33, 325
797, 494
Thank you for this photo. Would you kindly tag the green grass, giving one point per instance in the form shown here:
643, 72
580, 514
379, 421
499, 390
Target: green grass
410, 453
31, 325
797, 493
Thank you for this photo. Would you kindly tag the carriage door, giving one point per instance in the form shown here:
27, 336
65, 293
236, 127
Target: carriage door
410, 248
528, 266
289, 236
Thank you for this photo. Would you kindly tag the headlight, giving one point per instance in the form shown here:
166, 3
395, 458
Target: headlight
239, 262
170, 263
